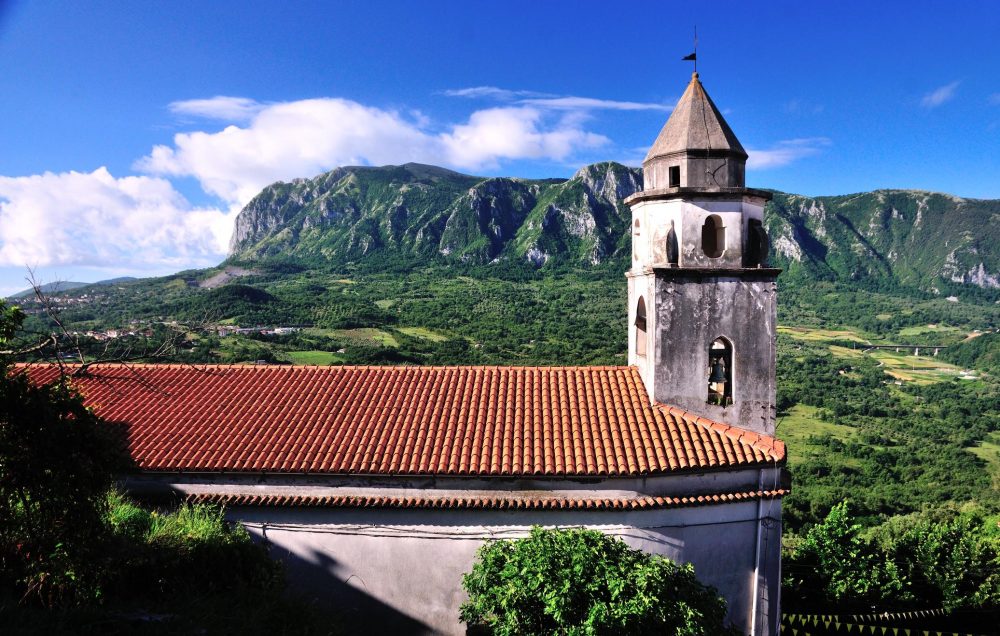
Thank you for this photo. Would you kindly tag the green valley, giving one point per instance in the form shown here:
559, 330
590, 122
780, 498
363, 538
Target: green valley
419, 265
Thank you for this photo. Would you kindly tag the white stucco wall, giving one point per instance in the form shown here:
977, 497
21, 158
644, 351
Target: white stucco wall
412, 561
399, 571
687, 216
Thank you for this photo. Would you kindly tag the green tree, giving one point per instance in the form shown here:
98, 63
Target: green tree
586, 582
834, 565
57, 462
950, 559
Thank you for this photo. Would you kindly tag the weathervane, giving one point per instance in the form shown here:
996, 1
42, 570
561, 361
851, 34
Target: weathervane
694, 56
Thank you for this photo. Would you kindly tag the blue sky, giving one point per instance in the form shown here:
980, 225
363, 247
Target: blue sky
132, 132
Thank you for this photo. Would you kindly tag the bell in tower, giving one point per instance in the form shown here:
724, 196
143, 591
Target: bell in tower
699, 273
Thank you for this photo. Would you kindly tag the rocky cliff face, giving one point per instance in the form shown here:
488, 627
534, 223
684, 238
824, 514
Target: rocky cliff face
418, 210
915, 238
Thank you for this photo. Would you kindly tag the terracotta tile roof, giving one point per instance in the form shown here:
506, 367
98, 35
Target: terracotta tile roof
495, 503
406, 420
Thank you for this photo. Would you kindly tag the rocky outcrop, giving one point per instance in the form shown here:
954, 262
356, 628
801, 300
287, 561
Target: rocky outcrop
913, 238
418, 210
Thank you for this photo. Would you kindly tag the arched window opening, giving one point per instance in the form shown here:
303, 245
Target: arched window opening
720, 372
673, 250
713, 237
757, 244
640, 328
636, 226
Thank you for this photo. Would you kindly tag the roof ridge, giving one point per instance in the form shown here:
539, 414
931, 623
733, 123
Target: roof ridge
767, 444
250, 365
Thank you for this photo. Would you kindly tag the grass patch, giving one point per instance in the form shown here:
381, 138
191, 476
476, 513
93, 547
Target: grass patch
422, 333
919, 369
368, 336
322, 332
801, 423
386, 303
923, 329
365, 336
844, 352
988, 450
808, 334
321, 358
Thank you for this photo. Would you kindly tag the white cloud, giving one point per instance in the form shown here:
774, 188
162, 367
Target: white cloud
589, 103
142, 224
786, 152
800, 107
94, 219
491, 92
940, 95
302, 138
553, 102
219, 107
514, 132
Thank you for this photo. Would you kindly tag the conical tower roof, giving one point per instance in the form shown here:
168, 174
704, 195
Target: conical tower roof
695, 124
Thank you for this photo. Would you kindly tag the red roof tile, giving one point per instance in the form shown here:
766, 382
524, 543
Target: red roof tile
406, 420
499, 503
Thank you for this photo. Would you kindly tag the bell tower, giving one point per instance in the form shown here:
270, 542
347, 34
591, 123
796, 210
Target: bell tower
702, 299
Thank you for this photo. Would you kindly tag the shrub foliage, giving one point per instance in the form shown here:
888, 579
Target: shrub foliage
57, 462
936, 558
585, 582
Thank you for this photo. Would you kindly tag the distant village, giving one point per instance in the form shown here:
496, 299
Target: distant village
137, 328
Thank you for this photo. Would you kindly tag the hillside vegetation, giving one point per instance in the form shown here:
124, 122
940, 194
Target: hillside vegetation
414, 213
419, 265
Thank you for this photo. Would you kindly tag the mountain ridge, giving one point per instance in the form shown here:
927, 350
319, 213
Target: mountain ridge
928, 240
58, 286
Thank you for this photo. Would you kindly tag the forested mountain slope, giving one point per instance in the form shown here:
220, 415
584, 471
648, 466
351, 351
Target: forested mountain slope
424, 211
914, 238
934, 242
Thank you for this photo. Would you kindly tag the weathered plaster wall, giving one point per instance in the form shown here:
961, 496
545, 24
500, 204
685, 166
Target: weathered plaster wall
396, 570
687, 217
692, 310
698, 169
642, 286
400, 571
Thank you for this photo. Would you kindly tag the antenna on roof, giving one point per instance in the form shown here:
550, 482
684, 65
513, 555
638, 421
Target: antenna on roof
694, 56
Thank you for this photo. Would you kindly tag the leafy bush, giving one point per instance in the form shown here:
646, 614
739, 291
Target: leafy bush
948, 558
585, 582
833, 565
57, 462
936, 558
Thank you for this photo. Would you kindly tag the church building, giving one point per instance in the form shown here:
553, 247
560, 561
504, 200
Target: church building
376, 485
